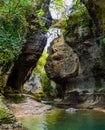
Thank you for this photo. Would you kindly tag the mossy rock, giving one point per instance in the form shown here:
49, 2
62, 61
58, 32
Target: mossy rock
2, 82
39, 96
16, 97
6, 115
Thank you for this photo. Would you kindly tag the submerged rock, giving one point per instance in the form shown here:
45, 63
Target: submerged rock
71, 110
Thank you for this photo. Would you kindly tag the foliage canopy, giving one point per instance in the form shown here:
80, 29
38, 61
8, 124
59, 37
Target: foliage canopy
14, 26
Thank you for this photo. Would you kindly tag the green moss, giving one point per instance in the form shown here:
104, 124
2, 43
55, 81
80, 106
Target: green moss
2, 83
78, 18
39, 96
45, 81
6, 116
16, 98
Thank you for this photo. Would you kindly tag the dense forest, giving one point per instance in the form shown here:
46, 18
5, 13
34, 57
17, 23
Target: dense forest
52, 64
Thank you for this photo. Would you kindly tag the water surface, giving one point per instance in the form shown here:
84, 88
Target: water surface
58, 119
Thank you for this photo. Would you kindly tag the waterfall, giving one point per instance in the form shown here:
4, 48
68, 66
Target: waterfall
57, 15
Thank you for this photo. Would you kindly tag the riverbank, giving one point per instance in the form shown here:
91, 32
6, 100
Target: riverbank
36, 116
31, 107
28, 108
7, 117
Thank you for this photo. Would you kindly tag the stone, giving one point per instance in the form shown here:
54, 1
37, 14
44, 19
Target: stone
71, 110
27, 60
32, 49
32, 85
62, 62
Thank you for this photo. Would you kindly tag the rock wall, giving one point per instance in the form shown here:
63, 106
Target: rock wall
14, 75
31, 51
96, 9
84, 34
27, 60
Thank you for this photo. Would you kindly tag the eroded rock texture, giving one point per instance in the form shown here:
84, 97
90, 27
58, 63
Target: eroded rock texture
27, 60
84, 34
96, 10
31, 51
62, 62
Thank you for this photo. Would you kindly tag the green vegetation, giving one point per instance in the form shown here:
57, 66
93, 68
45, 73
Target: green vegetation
14, 26
79, 17
6, 116
103, 40
40, 65
46, 84
77, 6
58, 4
45, 81
79, 14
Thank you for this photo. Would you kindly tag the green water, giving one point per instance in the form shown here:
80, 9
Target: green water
60, 120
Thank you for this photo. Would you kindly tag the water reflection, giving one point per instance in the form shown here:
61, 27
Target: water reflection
60, 120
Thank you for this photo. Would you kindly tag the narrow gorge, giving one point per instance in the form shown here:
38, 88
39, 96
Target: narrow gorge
66, 78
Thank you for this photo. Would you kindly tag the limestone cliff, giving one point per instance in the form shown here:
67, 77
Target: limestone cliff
14, 74
84, 34
35, 42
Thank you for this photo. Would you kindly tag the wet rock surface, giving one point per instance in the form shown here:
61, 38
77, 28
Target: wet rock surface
71, 110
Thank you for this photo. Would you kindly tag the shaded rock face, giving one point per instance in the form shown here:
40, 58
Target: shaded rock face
86, 40
96, 9
31, 51
62, 62
90, 50
27, 60
33, 85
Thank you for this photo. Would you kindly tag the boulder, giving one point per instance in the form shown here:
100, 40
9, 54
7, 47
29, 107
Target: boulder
32, 85
62, 62
85, 34
71, 110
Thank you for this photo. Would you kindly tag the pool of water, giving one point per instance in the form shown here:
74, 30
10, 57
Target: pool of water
58, 119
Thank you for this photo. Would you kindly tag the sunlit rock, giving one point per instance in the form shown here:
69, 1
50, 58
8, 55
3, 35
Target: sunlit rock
62, 62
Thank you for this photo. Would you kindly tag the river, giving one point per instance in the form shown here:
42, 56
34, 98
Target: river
59, 119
